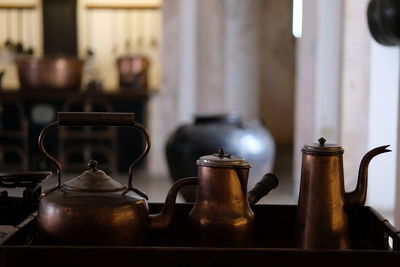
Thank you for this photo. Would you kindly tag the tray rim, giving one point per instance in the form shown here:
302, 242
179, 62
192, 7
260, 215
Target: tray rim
388, 228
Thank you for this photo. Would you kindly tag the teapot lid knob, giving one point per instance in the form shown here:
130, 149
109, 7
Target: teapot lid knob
221, 154
321, 141
92, 165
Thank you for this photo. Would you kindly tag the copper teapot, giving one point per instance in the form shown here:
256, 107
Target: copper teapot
322, 218
221, 215
94, 209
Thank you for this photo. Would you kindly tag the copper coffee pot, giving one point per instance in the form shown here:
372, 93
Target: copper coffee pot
94, 209
322, 217
221, 215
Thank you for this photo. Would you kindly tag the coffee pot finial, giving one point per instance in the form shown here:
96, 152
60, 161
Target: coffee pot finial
321, 141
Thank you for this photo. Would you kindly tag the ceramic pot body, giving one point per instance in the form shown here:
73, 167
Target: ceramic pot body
207, 134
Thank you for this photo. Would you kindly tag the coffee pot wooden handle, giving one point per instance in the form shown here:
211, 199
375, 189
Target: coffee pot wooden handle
262, 188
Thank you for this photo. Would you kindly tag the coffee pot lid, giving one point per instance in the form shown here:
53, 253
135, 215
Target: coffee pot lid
93, 180
322, 148
222, 160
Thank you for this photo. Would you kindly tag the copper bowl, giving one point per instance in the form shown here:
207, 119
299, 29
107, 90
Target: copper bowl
58, 73
133, 71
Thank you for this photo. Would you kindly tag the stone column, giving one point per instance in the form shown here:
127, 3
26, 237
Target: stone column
175, 103
242, 57
317, 99
163, 106
228, 57
210, 57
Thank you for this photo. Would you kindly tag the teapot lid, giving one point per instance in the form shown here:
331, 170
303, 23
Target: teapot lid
222, 160
93, 180
322, 148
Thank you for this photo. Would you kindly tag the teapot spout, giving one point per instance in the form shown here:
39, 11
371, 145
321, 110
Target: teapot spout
163, 219
359, 195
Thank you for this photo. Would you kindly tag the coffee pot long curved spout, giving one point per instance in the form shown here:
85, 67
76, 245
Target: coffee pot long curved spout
163, 219
359, 195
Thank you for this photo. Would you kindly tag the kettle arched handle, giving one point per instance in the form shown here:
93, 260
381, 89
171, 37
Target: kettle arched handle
95, 119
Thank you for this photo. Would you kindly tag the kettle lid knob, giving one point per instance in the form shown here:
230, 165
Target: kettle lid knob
93, 180
321, 141
92, 164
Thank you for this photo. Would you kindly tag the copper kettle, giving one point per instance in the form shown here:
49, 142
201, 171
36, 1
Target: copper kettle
322, 218
94, 209
221, 215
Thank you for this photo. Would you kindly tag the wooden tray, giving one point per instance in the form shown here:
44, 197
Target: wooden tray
274, 245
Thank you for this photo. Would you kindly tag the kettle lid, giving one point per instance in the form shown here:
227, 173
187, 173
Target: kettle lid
322, 148
222, 160
93, 180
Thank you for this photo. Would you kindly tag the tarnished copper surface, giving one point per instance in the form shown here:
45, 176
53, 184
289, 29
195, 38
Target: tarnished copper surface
221, 215
99, 218
321, 213
93, 209
322, 217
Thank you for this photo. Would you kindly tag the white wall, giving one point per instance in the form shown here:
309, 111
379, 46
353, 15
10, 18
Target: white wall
354, 88
328, 70
383, 119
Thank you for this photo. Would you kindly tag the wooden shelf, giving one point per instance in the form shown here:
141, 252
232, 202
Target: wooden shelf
137, 7
19, 6
64, 94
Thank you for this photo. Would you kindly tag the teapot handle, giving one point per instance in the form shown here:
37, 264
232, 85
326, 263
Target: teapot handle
95, 119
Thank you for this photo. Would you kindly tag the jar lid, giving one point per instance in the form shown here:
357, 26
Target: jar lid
229, 118
322, 148
222, 160
93, 180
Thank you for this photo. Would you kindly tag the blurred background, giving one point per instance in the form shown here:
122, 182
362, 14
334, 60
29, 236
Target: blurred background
290, 70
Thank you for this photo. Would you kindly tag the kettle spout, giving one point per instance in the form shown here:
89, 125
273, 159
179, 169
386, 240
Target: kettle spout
163, 219
359, 195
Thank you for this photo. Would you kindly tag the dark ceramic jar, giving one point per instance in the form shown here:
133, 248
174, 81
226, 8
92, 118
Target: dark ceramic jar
249, 140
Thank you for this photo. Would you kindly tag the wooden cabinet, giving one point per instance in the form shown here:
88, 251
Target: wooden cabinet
116, 148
